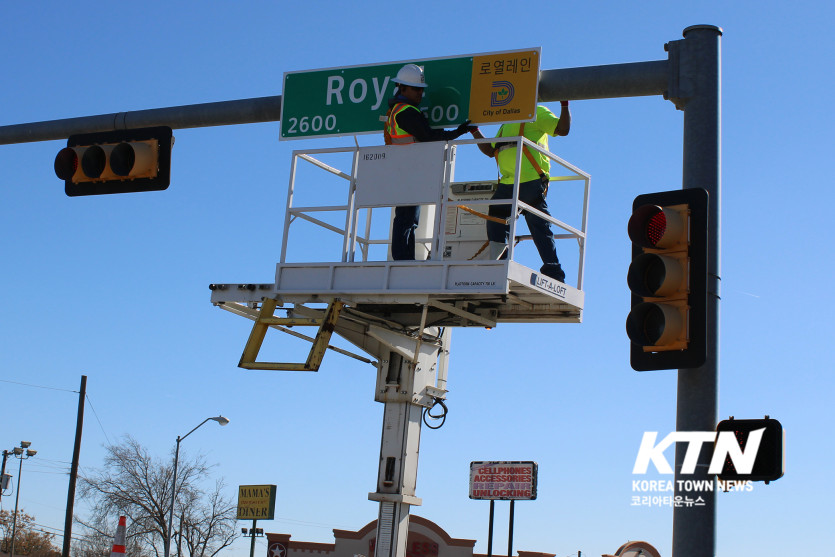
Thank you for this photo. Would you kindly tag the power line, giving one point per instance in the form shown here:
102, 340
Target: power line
44, 459
51, 464
97, 419
37, 386
59, 532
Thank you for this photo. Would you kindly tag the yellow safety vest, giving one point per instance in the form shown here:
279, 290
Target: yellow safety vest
394, 134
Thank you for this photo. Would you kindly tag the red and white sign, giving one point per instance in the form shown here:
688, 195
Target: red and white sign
503, 480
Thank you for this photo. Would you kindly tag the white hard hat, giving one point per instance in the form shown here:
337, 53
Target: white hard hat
410, 74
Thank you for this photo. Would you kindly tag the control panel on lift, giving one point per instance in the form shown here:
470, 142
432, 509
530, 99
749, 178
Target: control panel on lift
464, 231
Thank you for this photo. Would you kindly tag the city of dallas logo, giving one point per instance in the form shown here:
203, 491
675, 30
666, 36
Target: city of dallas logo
726, 447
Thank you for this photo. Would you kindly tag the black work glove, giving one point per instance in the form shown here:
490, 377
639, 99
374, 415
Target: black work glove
463, 128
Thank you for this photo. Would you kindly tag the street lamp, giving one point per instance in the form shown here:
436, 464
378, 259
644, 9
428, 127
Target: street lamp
19, 454
222, 421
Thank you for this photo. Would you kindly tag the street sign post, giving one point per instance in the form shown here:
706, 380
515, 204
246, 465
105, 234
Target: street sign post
503, 480
488, 88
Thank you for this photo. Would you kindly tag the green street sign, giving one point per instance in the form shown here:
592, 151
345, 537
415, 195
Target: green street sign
485, 88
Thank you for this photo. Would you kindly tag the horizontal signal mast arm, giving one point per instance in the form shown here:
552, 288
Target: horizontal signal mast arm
224, 113
592, 82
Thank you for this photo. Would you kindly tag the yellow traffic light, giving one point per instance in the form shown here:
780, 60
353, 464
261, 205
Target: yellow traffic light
119, 161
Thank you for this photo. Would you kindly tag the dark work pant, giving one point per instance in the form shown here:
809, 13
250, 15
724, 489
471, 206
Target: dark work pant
532, 194
403, 232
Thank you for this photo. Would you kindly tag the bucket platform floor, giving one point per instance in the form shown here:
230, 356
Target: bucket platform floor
462, 293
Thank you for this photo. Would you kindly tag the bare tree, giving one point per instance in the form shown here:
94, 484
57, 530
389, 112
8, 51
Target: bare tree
134, 484
206, 529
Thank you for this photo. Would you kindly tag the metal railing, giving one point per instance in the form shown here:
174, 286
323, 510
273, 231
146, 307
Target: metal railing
355, 231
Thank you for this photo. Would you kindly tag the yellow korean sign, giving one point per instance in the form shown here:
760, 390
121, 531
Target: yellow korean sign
504, 86
256, 502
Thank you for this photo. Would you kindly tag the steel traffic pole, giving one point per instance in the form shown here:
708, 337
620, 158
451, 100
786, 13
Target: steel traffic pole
698, 60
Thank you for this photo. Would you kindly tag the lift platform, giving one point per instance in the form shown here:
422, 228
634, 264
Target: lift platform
335, 274
458, 284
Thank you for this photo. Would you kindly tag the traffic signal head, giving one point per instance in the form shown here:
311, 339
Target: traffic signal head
119, 161
769, 464
668, 280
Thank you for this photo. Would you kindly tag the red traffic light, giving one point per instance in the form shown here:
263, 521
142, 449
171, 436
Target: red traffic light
667, 278
651, 226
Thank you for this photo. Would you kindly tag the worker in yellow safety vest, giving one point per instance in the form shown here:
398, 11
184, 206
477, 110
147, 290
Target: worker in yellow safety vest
533, 184
406, 124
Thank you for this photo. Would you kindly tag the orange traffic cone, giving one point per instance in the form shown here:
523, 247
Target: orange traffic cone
119, 540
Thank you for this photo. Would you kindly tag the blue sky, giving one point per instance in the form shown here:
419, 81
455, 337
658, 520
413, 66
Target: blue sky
115, 287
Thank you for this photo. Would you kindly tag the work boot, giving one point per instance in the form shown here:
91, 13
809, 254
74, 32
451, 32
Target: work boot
553, 271
498, 250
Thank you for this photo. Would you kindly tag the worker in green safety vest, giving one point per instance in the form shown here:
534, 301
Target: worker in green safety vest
533, 184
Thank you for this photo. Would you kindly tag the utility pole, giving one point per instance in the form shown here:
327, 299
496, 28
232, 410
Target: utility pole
79, 426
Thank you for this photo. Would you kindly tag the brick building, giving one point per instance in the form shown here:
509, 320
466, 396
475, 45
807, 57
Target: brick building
426, 539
